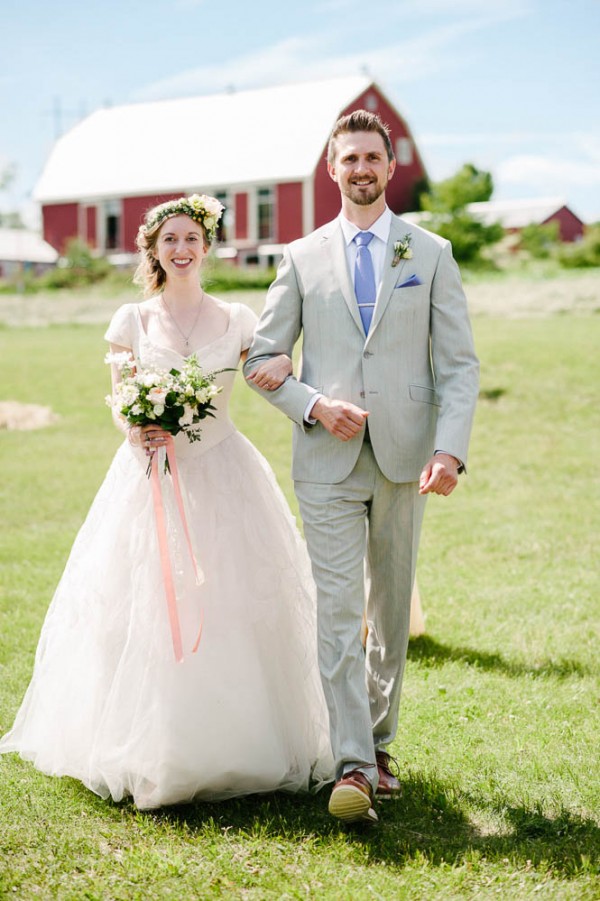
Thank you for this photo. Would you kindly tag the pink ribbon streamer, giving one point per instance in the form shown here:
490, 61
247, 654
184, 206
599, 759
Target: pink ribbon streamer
163, 546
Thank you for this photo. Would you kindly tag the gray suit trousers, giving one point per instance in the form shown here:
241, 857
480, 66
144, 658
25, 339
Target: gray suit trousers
363, 517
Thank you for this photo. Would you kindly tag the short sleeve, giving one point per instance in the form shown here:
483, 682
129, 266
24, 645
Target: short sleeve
121, 328
248, 320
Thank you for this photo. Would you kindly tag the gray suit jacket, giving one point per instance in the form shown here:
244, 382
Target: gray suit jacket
416, 372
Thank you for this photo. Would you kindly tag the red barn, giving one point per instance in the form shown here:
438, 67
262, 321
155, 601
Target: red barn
261, 152
514, 215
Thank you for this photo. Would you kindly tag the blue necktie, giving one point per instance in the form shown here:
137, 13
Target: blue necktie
364, 279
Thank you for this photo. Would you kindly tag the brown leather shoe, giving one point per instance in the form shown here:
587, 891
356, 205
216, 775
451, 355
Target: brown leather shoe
389, 786
352, 799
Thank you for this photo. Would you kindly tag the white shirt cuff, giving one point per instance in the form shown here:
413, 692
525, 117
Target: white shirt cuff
309, 407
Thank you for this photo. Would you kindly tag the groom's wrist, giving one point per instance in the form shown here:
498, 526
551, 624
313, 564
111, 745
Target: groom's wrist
308, 418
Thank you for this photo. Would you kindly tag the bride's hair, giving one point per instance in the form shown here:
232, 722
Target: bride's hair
150, 275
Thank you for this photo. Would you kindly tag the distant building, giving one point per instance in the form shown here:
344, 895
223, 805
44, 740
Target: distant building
514, 215
261, 152
24, 251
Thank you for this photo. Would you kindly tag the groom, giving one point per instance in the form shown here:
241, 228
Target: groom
383, 407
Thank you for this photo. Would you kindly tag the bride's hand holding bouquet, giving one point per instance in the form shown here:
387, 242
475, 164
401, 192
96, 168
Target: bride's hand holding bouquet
156, 403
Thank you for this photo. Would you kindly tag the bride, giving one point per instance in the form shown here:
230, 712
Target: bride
108, 702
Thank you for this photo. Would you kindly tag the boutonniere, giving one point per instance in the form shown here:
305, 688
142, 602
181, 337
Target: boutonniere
402, 249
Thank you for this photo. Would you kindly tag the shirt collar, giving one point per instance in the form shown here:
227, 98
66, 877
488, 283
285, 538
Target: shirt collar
380, 228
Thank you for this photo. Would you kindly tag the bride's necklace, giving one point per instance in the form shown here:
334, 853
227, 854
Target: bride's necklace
186, 338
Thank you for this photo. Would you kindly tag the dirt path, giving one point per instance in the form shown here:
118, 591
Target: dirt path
512, 296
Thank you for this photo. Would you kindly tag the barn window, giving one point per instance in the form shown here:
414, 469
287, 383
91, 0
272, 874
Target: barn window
112, 225
404, 151
371, 102
266, 213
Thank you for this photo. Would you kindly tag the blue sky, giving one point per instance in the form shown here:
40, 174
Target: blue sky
509, 85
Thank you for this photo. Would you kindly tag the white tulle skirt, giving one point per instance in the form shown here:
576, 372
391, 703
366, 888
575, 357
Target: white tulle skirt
108, 703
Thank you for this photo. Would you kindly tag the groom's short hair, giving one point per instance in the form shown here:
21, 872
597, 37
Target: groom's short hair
360, 120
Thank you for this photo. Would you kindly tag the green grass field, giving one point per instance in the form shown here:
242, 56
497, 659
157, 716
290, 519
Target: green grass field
498, 739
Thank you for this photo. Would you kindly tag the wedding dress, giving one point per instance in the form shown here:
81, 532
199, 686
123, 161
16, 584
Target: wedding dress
108, 704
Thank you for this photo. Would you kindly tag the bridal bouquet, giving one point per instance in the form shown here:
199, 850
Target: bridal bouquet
177, 399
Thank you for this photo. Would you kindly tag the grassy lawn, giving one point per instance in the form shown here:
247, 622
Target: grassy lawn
498, 739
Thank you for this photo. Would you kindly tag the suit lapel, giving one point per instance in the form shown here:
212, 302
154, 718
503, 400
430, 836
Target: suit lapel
335, 247
391, 277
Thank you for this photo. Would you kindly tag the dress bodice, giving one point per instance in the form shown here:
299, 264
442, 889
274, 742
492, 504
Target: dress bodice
223, 353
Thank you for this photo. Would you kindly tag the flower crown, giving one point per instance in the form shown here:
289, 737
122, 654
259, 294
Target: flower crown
200, 207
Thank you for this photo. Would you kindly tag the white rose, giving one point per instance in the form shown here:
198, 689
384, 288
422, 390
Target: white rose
147, 379
157, 395
159, 409
203, 395
187, 417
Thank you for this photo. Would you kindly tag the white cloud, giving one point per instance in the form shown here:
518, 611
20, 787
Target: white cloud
279, 62
317, 56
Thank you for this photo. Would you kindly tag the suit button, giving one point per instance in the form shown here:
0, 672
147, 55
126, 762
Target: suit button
362, 393
367, 354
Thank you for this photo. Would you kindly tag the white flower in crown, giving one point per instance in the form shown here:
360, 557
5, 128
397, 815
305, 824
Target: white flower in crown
200, 207
402, 249
212, 206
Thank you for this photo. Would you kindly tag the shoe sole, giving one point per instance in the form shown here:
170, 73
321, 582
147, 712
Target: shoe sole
351, 805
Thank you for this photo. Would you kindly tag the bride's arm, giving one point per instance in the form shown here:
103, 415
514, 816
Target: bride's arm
271, 374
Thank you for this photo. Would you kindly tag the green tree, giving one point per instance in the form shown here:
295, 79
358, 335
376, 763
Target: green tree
452, 195
78, 267
446, 203
583, 253
467, 235
539, 240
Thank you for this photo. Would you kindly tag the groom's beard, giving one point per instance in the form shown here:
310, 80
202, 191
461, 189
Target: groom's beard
364, 195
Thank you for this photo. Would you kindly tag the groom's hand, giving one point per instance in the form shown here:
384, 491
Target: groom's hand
342, 419
440, 475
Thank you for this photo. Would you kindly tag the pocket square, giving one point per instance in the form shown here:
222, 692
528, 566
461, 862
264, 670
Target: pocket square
411, 282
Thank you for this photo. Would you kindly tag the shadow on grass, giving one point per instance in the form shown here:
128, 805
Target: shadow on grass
432, 821
432, 653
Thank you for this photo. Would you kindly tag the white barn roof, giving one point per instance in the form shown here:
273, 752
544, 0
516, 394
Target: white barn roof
516, 213
210, 142
17, 245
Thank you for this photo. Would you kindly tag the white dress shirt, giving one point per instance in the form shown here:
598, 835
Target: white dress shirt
377, 246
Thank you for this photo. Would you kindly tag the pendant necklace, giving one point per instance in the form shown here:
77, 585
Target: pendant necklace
186, 338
